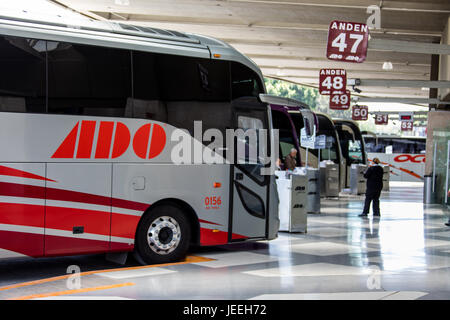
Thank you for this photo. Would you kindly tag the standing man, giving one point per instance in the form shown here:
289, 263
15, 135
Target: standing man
374, 176
289, 162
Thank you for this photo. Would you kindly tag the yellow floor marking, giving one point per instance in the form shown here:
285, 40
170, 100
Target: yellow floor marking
187, 260
60, 293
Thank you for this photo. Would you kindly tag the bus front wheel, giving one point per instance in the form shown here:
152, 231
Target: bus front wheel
163, 235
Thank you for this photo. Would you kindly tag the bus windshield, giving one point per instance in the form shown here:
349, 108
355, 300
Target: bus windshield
355, 150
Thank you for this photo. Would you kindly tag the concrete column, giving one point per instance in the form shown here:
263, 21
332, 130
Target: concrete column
434, 75
437, 120
444, 64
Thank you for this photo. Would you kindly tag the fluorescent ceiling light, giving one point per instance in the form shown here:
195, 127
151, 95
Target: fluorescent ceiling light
122, 2
388, 66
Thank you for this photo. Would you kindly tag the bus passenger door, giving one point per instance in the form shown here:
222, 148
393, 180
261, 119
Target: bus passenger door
78, 208
250, 189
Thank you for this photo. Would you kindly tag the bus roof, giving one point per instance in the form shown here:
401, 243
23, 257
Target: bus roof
122, 36
325, 116
286, 102
365, 134
353, 122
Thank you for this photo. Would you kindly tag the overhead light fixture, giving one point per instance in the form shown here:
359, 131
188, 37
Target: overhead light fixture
280, 73
388, 66
122, 2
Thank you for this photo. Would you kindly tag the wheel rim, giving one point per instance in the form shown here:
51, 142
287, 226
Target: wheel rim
164, 235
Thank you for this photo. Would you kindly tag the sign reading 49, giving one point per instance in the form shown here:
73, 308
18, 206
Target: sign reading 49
347, 41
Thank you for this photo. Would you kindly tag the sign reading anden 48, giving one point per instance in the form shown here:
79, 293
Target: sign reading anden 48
347, 41
332, 81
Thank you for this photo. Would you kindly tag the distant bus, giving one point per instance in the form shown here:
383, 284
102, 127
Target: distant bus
334, 153
352, 145
405, 155
289, 117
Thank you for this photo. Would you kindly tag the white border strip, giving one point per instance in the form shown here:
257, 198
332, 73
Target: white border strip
64, 233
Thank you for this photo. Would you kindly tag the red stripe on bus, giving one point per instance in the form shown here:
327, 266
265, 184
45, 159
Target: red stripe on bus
21, 190
127, 204
57, 245
28, 191
411, 173
238, 236
210, 237
120, 247
22, 214
124, 226
93, 221
6, 171
209, 222
29, 244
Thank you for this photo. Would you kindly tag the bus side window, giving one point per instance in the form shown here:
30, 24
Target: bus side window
252, 150
88, 80
22, 75
244, 81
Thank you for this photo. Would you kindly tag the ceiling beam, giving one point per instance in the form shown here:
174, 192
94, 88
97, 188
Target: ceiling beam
424, 101
389, 83
420, 6
409, 46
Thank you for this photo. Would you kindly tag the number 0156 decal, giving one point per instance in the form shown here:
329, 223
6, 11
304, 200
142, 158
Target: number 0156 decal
213, 202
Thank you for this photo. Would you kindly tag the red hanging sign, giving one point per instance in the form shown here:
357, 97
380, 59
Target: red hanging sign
340, 101
360, 113
381, 119
347, 41
332, 81
407, 126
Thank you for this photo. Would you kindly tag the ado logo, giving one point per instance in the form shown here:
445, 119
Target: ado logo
111, 139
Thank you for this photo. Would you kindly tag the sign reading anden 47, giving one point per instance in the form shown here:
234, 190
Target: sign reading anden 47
347, 41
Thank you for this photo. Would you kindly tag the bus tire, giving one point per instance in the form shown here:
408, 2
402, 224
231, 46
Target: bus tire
163, 235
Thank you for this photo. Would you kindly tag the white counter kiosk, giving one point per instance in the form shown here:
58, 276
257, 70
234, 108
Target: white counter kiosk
294, 191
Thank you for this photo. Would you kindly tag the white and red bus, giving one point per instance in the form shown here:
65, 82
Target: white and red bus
404, 155
87, 116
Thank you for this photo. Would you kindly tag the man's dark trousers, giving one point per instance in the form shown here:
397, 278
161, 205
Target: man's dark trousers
374, 176
373, 197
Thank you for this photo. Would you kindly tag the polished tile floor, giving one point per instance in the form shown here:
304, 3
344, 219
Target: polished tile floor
403, 255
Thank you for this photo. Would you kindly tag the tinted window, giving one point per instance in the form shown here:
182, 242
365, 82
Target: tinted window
244, 81
88, 80
251, 201
22, 75
281, 122
398, 145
